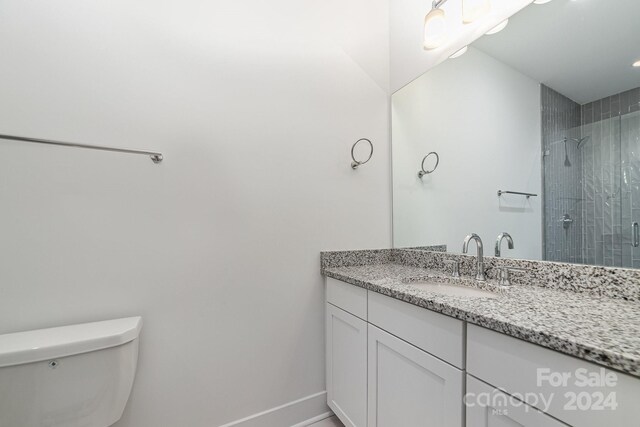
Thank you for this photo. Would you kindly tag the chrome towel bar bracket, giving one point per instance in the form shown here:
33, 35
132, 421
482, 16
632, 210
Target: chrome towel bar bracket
425, 172
518, 193
356, 163
155, 156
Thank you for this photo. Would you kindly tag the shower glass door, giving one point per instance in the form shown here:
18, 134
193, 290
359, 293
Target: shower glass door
602, 225
630, 145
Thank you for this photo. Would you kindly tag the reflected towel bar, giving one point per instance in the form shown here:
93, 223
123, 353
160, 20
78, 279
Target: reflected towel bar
501, 192
155, 157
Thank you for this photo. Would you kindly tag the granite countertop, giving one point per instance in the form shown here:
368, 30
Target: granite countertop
598, 329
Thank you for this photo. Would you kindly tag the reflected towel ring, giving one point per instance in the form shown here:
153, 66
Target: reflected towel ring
356, 163
424, 172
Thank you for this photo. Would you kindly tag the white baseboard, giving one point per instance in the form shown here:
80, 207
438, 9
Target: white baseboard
299, 413
314, 419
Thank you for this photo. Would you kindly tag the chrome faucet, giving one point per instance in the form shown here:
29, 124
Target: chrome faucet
455, 267
501, 236
505, 274
480, 265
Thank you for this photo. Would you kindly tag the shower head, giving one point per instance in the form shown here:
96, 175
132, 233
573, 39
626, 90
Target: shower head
581, 141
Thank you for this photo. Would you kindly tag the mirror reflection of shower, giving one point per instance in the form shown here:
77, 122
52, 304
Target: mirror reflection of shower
591, 178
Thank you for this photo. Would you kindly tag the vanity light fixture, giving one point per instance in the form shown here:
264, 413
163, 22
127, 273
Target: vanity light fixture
474, 9
459, 53
435, 26
541, 1
501, 26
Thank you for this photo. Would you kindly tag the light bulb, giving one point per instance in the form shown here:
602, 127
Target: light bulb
474, 9
637, 64
459, 53
435, 29
541, 1
501, 26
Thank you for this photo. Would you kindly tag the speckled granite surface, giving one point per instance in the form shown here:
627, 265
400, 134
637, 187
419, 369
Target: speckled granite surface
609, 282
433, 248
364, 257
591, 326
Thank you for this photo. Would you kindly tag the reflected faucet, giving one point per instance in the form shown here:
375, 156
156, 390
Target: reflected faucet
501, 236
480, 264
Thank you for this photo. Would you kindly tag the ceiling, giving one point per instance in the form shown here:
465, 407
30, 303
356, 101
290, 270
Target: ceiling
408, 57
583, 49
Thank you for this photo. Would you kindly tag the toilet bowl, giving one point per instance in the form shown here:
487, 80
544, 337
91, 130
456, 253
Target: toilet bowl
70, 376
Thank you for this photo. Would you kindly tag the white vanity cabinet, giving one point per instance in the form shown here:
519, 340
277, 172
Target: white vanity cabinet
574, 391
347, 366
409, 387
378, 372
393, 364
346, 349
432, 332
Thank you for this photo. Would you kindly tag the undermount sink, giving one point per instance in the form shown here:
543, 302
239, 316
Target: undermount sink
451, 289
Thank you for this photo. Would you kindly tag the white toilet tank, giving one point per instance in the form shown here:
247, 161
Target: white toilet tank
71, 376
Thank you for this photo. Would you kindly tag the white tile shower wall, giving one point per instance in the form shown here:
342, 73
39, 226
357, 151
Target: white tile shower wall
255, 105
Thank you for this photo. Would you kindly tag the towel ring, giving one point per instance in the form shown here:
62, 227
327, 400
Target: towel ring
356, 163
424, 172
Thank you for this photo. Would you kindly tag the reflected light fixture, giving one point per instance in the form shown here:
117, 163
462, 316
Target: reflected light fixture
459, 53
435, 26
541, 1
501, 26
474, 9
637, 64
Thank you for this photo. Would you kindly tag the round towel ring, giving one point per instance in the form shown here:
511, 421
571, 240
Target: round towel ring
356, 163
424, 172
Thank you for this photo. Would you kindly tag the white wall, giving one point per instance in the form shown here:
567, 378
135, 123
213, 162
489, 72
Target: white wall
483, 119
255, 105
409, 59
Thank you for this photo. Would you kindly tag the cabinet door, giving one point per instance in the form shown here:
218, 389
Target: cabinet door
410, 388
347, 366
490, 407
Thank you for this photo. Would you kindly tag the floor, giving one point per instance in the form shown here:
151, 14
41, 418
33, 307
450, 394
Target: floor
328, 422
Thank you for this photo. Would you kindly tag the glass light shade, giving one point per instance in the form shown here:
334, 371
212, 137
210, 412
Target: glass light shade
541, 1
474, 9
435, 29
459, 53
501, 26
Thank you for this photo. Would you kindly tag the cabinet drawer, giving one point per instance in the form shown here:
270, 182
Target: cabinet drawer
526, 369
434, 333
408, 387
489, 407
348, 297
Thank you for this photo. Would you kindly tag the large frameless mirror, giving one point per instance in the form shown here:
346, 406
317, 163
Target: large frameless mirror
537, 133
